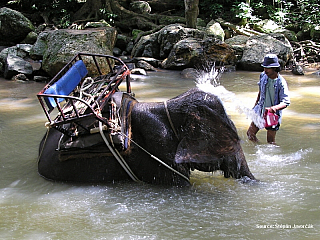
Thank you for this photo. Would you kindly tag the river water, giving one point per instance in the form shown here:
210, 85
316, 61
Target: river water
283, 205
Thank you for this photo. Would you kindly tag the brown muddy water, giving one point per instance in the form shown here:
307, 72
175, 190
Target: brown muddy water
283, 205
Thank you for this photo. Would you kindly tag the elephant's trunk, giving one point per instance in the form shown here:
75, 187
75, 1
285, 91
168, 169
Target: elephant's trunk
236, 166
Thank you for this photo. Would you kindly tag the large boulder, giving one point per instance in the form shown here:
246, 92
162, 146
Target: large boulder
19, 50
193, 52
182, 47
214, 30
238, 44
9, 66
56, 48
185, 54
159, 44
16, 65
258, 46
14, 27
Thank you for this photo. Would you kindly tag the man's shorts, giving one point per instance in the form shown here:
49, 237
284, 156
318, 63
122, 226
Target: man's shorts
274, 128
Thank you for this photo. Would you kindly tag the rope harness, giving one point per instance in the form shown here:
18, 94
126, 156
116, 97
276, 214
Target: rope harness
122, 162
118, 156
169, 118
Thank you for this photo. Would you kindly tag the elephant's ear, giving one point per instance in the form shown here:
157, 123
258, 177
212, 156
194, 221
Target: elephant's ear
193, 151
207, 137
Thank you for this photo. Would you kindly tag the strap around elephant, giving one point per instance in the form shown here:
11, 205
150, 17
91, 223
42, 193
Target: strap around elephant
169, 118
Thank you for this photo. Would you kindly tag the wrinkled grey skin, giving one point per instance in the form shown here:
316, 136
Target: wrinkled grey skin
207, 141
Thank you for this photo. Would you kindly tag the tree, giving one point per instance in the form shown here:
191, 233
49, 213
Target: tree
191, 12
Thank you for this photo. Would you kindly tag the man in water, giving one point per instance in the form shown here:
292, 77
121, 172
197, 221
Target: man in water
273, 96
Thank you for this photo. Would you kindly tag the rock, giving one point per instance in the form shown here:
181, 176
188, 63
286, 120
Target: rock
216, 51
144, 65
189, 73
31, 38
147, 46
297, 70
170, 35
214, 30
159, 44
101, 23
129, 47
139, 71
15, 65
130, 65
290, 35
154, 62
56, 48
20, 77
266, 26
20, 50
122, 42
41, 79
14, 27
116, 51
238, 44
185, 54
258, 46
316, 73
141, 7
192, 52
39, 48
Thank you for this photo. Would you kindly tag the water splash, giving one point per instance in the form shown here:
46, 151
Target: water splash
208, 80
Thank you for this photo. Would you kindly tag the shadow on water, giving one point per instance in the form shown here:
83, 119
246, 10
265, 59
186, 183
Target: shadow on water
283, 205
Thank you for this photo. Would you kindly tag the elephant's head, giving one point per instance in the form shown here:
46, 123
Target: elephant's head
208, 138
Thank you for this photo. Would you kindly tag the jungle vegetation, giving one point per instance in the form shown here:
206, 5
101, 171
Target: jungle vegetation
63, 13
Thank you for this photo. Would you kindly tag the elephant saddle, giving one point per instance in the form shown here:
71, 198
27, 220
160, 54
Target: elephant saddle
118, 111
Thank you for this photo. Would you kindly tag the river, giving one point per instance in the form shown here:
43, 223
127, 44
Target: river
283, 205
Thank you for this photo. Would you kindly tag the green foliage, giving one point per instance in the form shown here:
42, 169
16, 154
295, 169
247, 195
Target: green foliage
243, 11
281, 11
307, 11
292, 12
109, 17
57, 10
213, 9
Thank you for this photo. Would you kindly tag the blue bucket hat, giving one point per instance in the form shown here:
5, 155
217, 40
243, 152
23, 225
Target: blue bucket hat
270, 61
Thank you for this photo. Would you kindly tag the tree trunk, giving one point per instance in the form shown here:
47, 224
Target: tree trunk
89, 11
191, 12
125, 20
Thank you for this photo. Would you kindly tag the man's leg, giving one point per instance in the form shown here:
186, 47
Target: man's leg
271, 136
252, 132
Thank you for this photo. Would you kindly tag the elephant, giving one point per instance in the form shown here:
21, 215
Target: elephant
188, 132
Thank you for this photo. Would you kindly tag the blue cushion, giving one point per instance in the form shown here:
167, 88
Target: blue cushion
66, 83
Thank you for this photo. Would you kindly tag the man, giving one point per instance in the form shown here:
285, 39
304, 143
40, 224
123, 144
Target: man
273, 96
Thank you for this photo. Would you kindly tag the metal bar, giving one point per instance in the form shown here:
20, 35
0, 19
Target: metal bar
75, 108
104, 95
109, 64
97, 65
128, 81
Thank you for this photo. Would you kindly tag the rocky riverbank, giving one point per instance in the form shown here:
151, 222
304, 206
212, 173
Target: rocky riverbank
38, 53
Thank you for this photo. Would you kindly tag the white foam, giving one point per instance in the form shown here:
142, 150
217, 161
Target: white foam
209, 81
